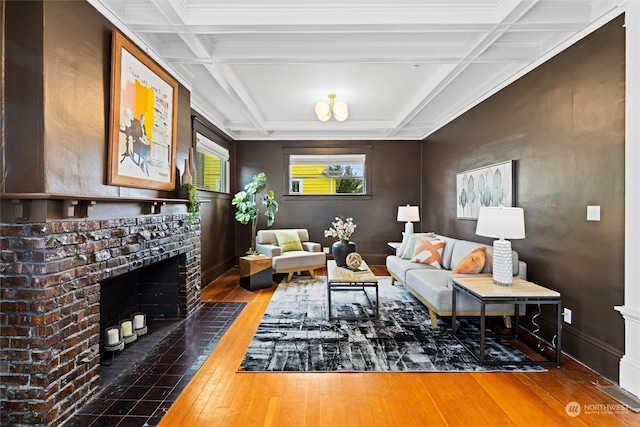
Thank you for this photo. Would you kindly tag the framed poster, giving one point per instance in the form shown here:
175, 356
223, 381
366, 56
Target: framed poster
492, 185
143, 120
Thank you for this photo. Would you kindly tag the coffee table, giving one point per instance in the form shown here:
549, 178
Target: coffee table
521, 291
339, 279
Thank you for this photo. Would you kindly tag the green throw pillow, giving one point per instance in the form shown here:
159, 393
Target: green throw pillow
288, 241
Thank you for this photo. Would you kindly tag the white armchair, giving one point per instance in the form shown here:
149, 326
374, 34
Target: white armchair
308, 259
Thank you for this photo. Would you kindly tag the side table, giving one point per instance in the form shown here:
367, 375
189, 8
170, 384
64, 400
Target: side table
521, 292
393, 247
255, 272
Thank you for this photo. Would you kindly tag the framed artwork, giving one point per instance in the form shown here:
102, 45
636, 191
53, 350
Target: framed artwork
492, 185
143, 120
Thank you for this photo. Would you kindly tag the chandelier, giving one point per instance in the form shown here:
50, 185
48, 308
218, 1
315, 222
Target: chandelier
339, 109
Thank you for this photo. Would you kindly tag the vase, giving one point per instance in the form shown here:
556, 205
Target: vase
192, 167
186, 176
340, 250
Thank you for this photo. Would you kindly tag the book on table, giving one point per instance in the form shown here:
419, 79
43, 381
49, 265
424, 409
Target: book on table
354, 270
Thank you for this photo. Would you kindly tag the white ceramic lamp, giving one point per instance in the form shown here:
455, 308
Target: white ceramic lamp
501, 223
408, 215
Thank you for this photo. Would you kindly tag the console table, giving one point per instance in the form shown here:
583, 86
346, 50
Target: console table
521, 291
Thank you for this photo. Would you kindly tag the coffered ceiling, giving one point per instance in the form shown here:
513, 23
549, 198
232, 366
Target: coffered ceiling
256, 68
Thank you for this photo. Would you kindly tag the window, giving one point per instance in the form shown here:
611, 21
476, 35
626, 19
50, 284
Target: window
341, 172
212, 165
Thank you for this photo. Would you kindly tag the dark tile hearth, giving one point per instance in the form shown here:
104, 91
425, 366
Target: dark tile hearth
142, 394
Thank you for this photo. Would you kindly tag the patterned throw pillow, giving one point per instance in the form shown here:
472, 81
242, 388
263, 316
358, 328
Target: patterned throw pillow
472, 263
428, 250
406, 250
288, 241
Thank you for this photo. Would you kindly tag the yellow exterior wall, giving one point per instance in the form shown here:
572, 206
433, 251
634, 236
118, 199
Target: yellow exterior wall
314, 181
211, 167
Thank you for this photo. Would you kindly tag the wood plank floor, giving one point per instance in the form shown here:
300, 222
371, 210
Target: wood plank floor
220, 396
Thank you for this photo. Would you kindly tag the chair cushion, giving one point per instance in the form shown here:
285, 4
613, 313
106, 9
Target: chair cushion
288, 240
298, 259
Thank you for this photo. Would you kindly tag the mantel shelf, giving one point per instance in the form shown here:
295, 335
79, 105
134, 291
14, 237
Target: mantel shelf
58, 196
36, 206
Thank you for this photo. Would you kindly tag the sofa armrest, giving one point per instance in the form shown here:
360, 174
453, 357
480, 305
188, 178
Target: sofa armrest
311, 247
268, 250
522, 270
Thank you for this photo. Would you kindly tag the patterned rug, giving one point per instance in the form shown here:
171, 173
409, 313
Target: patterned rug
295, 335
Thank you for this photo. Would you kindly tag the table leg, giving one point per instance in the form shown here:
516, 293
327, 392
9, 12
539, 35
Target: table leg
377, 304
453, 310
517, 316
558, 334
482, 332
329, 299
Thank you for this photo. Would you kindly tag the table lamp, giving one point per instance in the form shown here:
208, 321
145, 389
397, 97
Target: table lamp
409, 215
501, 223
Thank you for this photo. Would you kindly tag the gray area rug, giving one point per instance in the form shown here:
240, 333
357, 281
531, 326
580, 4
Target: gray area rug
295, 335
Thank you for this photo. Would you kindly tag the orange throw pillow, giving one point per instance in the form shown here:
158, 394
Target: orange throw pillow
428, 251
472, 263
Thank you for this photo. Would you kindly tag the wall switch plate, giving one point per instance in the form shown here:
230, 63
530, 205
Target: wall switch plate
567, 315
593, 213
325, 249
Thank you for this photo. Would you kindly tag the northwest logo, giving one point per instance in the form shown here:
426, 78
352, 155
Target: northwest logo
573, 409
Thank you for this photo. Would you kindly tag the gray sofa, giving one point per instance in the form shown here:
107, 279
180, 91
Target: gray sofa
433, 286
309, 259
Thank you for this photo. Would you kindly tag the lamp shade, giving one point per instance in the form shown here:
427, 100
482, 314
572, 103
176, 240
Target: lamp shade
340, 111
408, 214
501, 222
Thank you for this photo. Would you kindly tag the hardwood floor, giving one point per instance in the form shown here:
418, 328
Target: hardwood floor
220, 396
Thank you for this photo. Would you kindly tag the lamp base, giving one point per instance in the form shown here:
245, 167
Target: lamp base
502, 263
408, 228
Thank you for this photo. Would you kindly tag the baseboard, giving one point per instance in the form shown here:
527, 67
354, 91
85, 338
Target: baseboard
217, 270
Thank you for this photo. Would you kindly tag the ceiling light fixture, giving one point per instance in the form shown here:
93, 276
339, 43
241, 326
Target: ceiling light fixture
339, 109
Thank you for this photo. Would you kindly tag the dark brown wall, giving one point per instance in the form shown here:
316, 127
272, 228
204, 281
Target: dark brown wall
396, 181
217, 224
24, 114
58, 110
58, 72
563, 123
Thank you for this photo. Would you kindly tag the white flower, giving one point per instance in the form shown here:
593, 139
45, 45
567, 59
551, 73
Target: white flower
341, 228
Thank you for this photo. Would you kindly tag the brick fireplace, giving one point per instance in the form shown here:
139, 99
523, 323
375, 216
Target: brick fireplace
52, 273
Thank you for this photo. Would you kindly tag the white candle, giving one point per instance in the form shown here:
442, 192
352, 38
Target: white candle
126, 328
138, 321
112, 336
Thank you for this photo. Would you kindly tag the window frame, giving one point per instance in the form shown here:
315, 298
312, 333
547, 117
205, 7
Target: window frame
328, 151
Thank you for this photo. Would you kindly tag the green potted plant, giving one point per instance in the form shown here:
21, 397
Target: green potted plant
247, 209
194, 202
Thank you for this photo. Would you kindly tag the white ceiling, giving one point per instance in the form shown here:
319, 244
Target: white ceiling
256, 68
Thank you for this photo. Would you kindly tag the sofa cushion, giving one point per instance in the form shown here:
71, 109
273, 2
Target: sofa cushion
431, 286
399, 267
472, 263
428, 250
288, 240
298, 259
448, 250
268, 237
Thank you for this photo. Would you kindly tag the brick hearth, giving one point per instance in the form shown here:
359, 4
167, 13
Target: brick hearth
50, 303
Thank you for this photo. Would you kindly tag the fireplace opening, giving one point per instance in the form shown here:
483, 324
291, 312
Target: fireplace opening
152, 291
